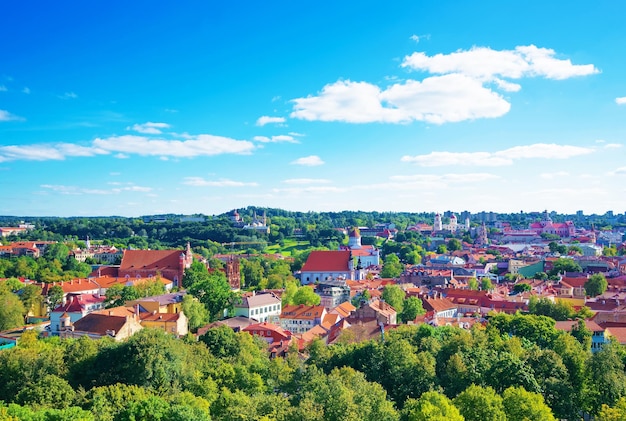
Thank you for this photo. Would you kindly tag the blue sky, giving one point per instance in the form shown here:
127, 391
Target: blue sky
139, 108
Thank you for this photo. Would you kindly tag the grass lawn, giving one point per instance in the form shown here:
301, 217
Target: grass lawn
289, 248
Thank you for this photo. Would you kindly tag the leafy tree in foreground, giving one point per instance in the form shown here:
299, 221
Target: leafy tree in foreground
214, 292
477, 403
305, 295
521, 405
431, 406
394, 296
12, 311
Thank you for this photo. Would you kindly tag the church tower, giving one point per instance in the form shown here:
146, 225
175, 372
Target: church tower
438, 225
354, 240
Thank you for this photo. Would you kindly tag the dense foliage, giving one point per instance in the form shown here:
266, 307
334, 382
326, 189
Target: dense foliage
519, 367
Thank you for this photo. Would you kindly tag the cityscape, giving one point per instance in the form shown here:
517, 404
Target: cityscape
334, 211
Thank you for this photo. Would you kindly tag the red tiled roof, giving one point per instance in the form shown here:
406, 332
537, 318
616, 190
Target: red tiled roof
151, 259
327, 261
73, 286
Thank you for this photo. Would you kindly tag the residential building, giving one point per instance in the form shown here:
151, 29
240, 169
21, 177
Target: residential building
300, 318
76, 307
377, 310
333, 292
262, 307
172, 323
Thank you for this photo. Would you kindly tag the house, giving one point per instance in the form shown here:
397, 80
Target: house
117, 324
74, 286
377, 310
300, 318
172, 323
321, 265
165, 303
546, 226
343, 310
439, 306
261, 307
76, 307
106, 281
333, 292
278, 339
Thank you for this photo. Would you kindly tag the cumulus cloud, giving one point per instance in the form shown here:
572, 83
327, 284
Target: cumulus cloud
308, 161
3, 88
7, 116
621, 100
553, 175
437, 99
201, 182
486, 64
619, 171
459, 88
26, 90
126, 146
499, 158
613, 146
276, 139
149, 127
262, 121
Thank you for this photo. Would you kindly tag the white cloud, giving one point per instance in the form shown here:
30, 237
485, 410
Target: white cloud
149, 127
309, 161
310, 190
7, 116
275, 139
75, 190
3, 88
486, 64
438, 99
619, 171
26, 90
124, 146
68, 95
262, 121
621, 100
201, 145
445, 178
613, 146
307, 181
418, 38
201, 182
499, 158
438, 159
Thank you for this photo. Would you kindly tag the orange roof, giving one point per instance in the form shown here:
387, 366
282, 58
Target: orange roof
159, 317
302, 312
109, 281
267, 326
327, 261
344, 309
73, 286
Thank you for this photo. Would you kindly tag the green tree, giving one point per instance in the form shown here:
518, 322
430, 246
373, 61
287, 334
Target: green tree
564, 264
472, 284
596, 285
55, 297
519, 288
454, 244
442, 249
411, 308
291, 288
521, 405
431, 406
12, 311
477, 403
486, 285
616, 413
305, 295
214, 292
394, 296
195, 311
221, 341
50, 390
392, 268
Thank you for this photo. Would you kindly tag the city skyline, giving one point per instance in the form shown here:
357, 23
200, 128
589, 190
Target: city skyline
142, 109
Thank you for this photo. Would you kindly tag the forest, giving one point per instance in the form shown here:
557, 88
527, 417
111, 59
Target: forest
518, 367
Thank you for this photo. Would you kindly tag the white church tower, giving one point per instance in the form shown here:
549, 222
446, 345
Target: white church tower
438, 225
